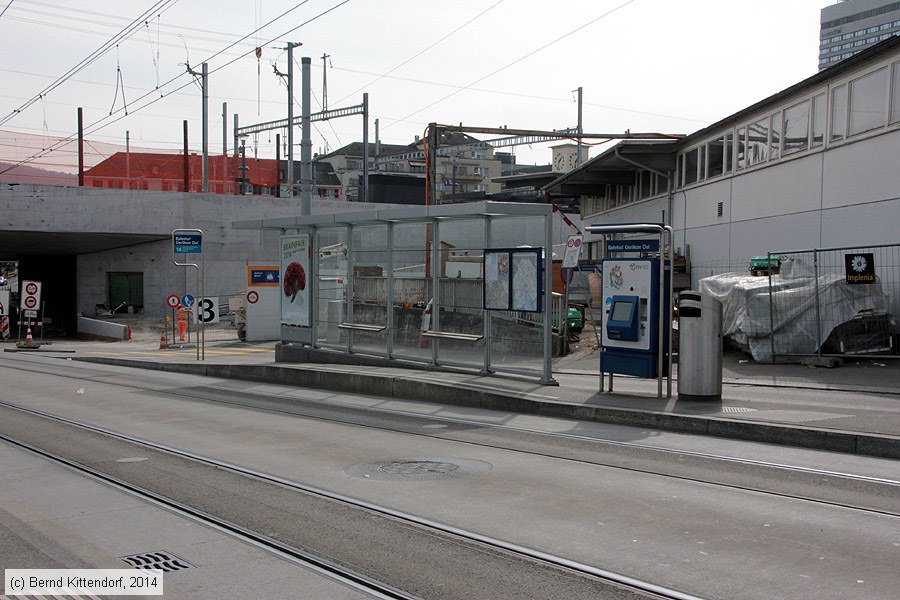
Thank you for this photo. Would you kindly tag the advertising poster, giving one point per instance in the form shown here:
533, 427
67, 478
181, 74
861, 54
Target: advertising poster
525, 282
496, 280
295, 285
512, 279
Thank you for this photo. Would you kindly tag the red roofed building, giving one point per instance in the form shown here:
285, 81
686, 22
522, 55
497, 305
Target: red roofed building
166, 173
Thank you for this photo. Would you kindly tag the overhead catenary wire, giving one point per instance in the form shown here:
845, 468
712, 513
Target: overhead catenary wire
107, 121
6, 8
160, 5
516, 61
423, 51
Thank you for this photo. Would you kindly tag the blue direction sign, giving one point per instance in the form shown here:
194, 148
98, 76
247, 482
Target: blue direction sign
188, 243
187, 301
632, 246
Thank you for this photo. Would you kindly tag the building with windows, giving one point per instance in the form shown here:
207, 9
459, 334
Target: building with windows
851, 26
464, 165
813, 166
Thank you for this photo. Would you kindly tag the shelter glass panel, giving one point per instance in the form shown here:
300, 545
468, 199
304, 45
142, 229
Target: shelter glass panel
412, 289
371, 263
331, 286
459, 306
517, 337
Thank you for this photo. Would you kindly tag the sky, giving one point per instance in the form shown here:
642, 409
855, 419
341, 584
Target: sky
644, 65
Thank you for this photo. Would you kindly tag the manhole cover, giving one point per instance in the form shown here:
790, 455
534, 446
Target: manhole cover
158, 560
416, 469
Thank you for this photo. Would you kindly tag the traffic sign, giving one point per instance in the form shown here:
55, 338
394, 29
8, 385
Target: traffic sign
207, 310
252, 296
187, 301
573, 251
31, 295
29, 314
172, 301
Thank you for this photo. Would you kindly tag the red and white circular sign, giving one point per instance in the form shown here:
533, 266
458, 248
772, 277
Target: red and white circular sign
252, 296
30, 302
172, 301
31, 288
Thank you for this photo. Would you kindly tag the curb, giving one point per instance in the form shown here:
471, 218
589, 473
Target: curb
406, 388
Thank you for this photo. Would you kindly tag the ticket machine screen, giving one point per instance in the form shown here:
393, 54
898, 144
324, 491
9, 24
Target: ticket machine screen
622, 323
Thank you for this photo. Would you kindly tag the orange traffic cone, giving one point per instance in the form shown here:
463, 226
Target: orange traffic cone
28, 338
163, 341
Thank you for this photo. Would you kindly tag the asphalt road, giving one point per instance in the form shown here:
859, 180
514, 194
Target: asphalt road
713, 518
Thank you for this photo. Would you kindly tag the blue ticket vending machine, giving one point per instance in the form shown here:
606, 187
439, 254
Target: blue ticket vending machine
630, 341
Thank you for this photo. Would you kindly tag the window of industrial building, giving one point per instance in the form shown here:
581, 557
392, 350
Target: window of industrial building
839, 113
818, 120
775, 136
717, 157
740, 159
867, 98
646, 184
701, 151
758, 142
729, 152
895, 93
691, 161
796, 128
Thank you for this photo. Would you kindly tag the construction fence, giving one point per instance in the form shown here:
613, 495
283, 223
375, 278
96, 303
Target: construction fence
787, 306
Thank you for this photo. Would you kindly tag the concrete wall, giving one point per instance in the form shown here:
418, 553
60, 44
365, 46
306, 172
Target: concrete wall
40, 209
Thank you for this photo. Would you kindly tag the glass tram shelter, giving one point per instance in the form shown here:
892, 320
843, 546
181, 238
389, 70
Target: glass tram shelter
464, 285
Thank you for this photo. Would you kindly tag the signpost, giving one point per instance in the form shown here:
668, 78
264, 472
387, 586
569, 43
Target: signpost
187, 243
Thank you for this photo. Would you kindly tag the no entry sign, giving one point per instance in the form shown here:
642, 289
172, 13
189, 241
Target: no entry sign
31, 295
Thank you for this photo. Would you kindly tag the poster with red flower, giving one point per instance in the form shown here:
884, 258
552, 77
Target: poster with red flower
295, 284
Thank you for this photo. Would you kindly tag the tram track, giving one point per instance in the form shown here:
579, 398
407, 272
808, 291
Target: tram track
583, 581
840, 489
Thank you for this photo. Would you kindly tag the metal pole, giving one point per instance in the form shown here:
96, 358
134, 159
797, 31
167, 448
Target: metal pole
128, 160
818, 304
224, 146
80, 147
365, 185
579, 156
488, 314
234, 171
435, 288
187, 170
548, 299
205, 86
377, 146
389, 292
305, 141
290, 128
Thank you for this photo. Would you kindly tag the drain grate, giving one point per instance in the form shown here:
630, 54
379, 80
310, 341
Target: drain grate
158, 560
417, 470
713, 410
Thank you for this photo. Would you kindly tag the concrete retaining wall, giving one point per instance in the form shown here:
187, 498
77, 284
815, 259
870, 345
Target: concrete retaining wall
104, 331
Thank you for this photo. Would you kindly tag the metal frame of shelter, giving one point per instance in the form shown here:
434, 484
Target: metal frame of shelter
486, 212
662, 231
